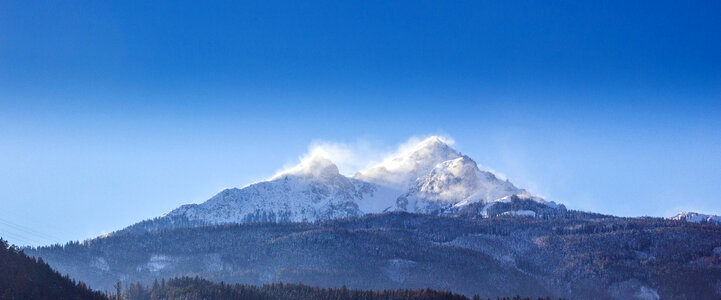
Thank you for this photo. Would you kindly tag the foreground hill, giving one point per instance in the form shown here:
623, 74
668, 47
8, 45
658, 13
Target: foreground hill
22, 277
573, 256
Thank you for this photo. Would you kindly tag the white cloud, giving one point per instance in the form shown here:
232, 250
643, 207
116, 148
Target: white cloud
352, 157
412, 142
349, 158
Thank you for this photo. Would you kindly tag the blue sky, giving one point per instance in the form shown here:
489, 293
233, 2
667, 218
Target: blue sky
114, 112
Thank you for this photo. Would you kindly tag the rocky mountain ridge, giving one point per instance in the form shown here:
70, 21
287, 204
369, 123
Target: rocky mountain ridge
430, 178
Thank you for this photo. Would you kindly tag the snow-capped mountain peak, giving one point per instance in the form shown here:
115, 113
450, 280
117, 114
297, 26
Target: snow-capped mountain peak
453, 184
450, 180
403, 169
461, 179
312, 190
430, 177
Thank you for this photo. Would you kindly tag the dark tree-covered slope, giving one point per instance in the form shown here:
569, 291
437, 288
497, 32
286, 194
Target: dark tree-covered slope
582, 256
197, 289
22, 277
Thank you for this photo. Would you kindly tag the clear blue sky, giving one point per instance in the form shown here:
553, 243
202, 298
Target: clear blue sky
112, 112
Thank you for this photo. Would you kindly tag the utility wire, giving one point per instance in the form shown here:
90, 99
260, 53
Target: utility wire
25, 235
19, 235
29, 231
20, 238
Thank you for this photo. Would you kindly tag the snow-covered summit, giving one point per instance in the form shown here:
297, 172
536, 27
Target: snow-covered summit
454, 184
431, 178
450, 180
403, 169
461, 179
697, 218
312, 190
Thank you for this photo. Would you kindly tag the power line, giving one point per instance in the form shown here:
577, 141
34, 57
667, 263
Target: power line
25, 235
20, 238
29, 231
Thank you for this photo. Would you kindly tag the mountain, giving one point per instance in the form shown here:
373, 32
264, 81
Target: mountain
579, 256
431, 178
697, 218
313, 190
428, 217
22, 277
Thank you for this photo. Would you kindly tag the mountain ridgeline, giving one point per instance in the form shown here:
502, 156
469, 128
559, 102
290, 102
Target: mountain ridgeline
429, 217
430, 178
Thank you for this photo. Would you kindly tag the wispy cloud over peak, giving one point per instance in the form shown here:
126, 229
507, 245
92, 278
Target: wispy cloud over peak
359, 156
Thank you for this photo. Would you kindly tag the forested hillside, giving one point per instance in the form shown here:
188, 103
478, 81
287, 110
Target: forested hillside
22, 277
582, 256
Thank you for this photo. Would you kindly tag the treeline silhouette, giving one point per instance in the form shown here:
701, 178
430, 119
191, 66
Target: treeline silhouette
196, 288
22, 277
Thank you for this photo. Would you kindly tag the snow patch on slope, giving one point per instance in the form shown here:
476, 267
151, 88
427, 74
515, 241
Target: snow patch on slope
159, 262
520, 213
100, 263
